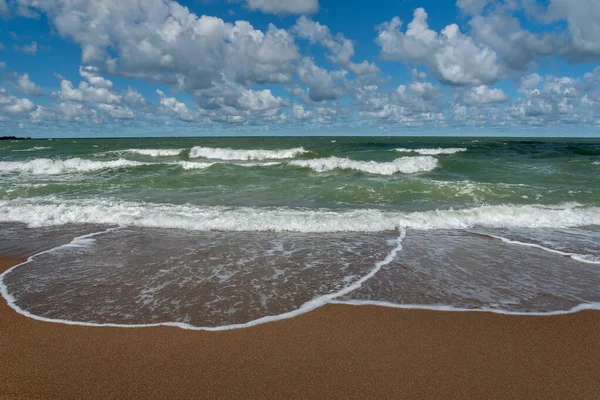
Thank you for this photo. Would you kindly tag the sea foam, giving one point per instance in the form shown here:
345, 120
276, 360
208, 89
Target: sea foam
52, 211
36, 148
48, 166
217, 153
432, 152
405, 165
154, 152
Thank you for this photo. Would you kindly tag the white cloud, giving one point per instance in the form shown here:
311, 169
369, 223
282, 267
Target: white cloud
451, 56
473, 6
172, 106
583, 20
133, 98
86, 93
322, 84
300, 113
484, 95
11, 105
516, 47
3, 8
341, 50
117, 112
160, 40
29, 49
27, 86
284, 6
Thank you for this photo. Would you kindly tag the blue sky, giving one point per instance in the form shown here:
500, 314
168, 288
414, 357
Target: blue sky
218, 67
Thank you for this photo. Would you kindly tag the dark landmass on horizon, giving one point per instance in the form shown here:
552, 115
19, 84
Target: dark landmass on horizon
14, 138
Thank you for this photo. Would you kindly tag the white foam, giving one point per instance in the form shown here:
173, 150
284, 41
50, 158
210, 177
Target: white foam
48, 166
585, 258
304, 308
444, 307
53, 211
405, 165
255, 164
154, 152
311, 305
596, 163
217, 153
194, 165
36, 148
432, 152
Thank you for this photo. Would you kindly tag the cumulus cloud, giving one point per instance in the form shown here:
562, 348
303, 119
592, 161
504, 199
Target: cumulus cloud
341, 50
284, 6
31, 48
451, 56
322, 84
94, 89
300, 113
472, 6
414, 104
27, 86
3, 8
484, 95
133, 98
516, 47
117, 112
12, 105
172, 106
160, 40
583, 24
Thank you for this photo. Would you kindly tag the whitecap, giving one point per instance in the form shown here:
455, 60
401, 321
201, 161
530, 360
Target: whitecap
405, 165
217, 153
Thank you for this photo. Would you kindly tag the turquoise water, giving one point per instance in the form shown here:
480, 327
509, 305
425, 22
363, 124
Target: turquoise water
503, 224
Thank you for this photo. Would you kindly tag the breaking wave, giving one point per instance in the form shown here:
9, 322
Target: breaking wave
405, 165
154, 152
36, 148
217, 153
432, 152
48, 166
194, 165
52, 211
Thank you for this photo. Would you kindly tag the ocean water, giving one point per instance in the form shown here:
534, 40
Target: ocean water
214, 233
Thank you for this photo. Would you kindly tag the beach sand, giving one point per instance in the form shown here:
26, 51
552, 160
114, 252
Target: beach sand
333, 352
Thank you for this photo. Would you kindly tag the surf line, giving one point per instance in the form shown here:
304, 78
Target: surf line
304, 308
78, 241
574, 256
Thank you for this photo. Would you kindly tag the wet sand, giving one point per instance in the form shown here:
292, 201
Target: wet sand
333, 352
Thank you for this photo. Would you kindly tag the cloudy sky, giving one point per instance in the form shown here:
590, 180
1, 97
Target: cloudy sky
130, 67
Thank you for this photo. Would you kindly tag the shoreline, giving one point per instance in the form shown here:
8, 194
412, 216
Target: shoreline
336, 351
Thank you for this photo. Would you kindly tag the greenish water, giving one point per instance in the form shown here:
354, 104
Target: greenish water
488, 172
218, 231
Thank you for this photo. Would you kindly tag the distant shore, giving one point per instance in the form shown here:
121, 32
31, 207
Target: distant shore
14, 138
333, 352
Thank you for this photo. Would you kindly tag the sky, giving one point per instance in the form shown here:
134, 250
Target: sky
299, 67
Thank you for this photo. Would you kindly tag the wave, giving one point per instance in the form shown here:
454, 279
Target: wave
406, 165
217, 153
48, 166
585, 258
264, 164
153, 152
48, 211
432, 152
190, 165
36, 148
319, 301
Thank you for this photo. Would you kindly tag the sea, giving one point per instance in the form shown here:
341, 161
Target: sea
222, 233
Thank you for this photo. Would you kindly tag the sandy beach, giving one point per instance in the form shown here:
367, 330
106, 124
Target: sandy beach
333, 352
